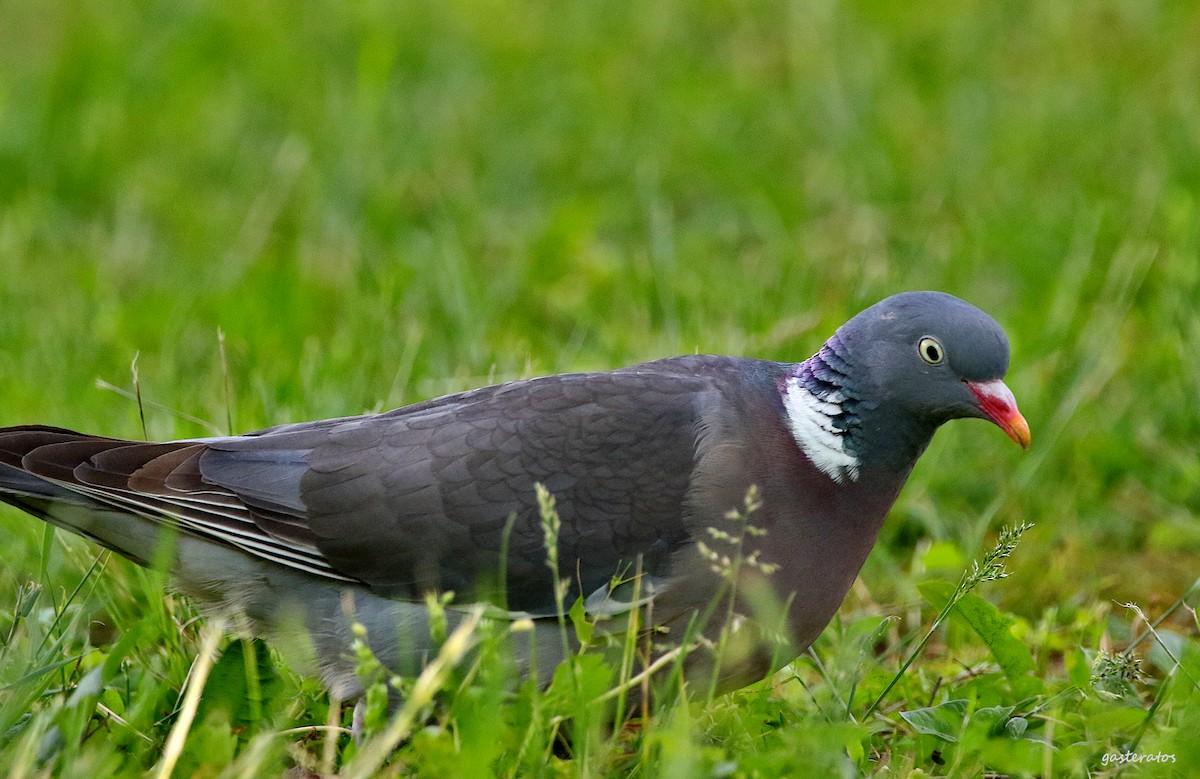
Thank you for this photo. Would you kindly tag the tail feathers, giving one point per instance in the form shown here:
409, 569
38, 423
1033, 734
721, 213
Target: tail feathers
17, 483
123, 493
37, 476
19, 473
145, 500
24, 489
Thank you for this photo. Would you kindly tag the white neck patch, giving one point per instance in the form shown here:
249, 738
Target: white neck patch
810, 420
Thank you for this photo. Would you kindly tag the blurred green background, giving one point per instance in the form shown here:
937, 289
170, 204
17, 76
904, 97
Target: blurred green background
379, 202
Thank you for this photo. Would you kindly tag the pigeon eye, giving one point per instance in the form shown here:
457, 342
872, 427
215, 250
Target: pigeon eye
931, 351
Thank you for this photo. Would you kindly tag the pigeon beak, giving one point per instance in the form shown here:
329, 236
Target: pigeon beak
999, 405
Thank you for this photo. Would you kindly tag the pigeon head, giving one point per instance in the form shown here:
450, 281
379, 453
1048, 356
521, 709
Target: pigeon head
935, 357
880, 387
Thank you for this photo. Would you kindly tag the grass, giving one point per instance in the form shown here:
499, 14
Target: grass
376, 204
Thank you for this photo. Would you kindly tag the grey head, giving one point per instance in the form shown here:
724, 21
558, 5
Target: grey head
895, 372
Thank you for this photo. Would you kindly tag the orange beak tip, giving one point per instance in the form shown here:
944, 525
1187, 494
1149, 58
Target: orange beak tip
1018, 430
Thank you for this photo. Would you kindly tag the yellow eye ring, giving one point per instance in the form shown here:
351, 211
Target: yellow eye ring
931, 350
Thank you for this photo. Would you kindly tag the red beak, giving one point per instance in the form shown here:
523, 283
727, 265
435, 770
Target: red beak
999, 405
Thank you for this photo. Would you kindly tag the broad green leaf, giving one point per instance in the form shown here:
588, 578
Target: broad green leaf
994, 717
995, 628
583, 627
1016, 727
240, 683
944, 721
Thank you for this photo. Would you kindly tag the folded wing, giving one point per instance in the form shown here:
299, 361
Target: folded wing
436, 496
